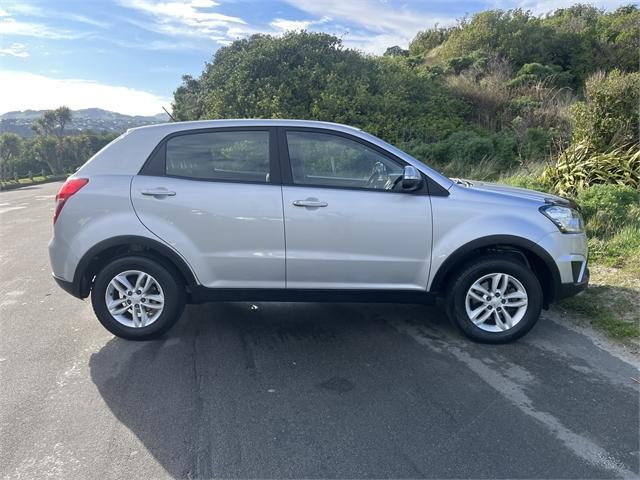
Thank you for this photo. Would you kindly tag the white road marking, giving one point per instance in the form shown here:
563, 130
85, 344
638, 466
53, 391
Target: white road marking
513, 391
8, 209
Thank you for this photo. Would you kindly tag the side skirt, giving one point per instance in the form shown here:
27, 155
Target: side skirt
200, 294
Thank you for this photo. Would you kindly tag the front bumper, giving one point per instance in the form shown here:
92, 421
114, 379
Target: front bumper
566, 290
569, 253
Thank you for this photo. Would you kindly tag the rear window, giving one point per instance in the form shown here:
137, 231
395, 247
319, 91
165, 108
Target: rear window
232, 155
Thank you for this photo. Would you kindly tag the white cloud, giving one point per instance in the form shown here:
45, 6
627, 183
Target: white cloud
185, 18
15, 50
30, 91
83, 19
11, 26
286, 25
3, 13
390, 25
542, 7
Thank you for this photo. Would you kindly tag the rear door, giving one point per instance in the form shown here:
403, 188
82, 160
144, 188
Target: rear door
215, 196
348, 223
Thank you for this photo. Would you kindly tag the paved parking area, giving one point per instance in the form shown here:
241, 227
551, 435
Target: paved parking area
292, 390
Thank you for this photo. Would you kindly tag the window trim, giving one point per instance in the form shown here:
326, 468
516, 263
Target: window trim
156, 163
287, 173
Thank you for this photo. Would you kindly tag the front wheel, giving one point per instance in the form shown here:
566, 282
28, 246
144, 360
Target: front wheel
137, 298
495, 299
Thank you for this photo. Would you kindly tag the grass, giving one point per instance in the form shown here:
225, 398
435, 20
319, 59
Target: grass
10, 184
612, 302
608, 309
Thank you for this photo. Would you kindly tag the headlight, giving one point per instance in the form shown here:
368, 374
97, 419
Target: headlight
568, 220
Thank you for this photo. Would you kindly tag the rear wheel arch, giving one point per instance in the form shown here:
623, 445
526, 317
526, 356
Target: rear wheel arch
104, 252
522, 249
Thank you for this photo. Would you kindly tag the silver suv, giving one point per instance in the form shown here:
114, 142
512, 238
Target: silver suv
285, 210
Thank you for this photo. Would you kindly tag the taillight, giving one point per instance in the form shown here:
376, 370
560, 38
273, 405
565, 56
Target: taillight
67, 190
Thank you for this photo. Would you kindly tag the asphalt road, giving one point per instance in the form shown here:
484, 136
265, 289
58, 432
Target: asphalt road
291, 390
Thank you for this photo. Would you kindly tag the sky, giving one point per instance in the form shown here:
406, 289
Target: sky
129, 56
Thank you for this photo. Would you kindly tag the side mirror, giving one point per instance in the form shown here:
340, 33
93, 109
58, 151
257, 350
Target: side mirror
411, 178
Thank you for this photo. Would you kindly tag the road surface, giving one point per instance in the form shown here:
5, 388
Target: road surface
291, 390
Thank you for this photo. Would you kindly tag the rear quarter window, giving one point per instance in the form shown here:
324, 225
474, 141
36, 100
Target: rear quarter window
226, 155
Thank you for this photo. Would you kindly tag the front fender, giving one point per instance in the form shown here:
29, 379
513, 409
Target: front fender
460, 226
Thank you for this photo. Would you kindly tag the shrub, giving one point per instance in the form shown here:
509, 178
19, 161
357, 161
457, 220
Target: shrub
458, 64
608, 208
609, 115
532, 73
581, 166
523, 104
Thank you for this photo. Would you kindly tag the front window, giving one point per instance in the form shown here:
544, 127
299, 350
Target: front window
335, 161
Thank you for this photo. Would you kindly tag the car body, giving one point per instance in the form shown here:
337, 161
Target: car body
286, 210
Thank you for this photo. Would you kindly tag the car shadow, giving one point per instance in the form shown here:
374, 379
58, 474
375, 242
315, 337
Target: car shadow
228, 372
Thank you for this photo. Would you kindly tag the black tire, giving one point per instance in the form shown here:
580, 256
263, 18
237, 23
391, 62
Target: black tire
464, 278
172, 288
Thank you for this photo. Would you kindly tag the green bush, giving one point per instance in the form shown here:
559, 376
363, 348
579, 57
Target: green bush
458, 64
581, 166
532, 73
523, 104
609, 115
608, 208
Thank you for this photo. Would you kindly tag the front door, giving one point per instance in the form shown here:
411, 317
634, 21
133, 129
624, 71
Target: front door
348, 224
213, 197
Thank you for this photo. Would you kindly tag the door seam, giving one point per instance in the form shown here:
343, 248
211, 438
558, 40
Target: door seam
284, 231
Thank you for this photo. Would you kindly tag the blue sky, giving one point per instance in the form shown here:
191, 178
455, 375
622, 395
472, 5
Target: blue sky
129, 55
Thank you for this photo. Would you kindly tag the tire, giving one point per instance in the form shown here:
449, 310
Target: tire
165, 294
461, 304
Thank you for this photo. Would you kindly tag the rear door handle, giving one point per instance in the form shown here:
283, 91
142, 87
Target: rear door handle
158, 192
310, 203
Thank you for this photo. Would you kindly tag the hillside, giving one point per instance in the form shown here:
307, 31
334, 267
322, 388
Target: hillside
94, 119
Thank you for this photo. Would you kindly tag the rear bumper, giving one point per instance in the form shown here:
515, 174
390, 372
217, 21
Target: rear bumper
68, 287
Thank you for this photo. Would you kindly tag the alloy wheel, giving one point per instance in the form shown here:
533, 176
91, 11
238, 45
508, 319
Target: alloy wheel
134, 298
496, 302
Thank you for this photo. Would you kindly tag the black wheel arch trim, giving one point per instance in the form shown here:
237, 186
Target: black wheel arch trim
81, 285
453, 261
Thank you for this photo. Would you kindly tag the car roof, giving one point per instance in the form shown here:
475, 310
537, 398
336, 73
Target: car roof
240, 122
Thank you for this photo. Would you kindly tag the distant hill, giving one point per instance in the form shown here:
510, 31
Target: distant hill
86, 119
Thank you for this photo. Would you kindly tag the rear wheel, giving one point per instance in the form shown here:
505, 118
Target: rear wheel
137, 298
495, 299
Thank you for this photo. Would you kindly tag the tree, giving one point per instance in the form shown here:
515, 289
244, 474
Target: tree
53, 122
10, 150
312, 76
187, 105
45, 149
516, 35
396, 51
429, 39
50, 129
76, 149
618, 35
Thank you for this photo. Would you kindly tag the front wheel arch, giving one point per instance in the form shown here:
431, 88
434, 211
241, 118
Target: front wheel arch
531, 254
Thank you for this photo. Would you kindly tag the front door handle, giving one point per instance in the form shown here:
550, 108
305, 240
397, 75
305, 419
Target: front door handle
158, 192
310, 203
